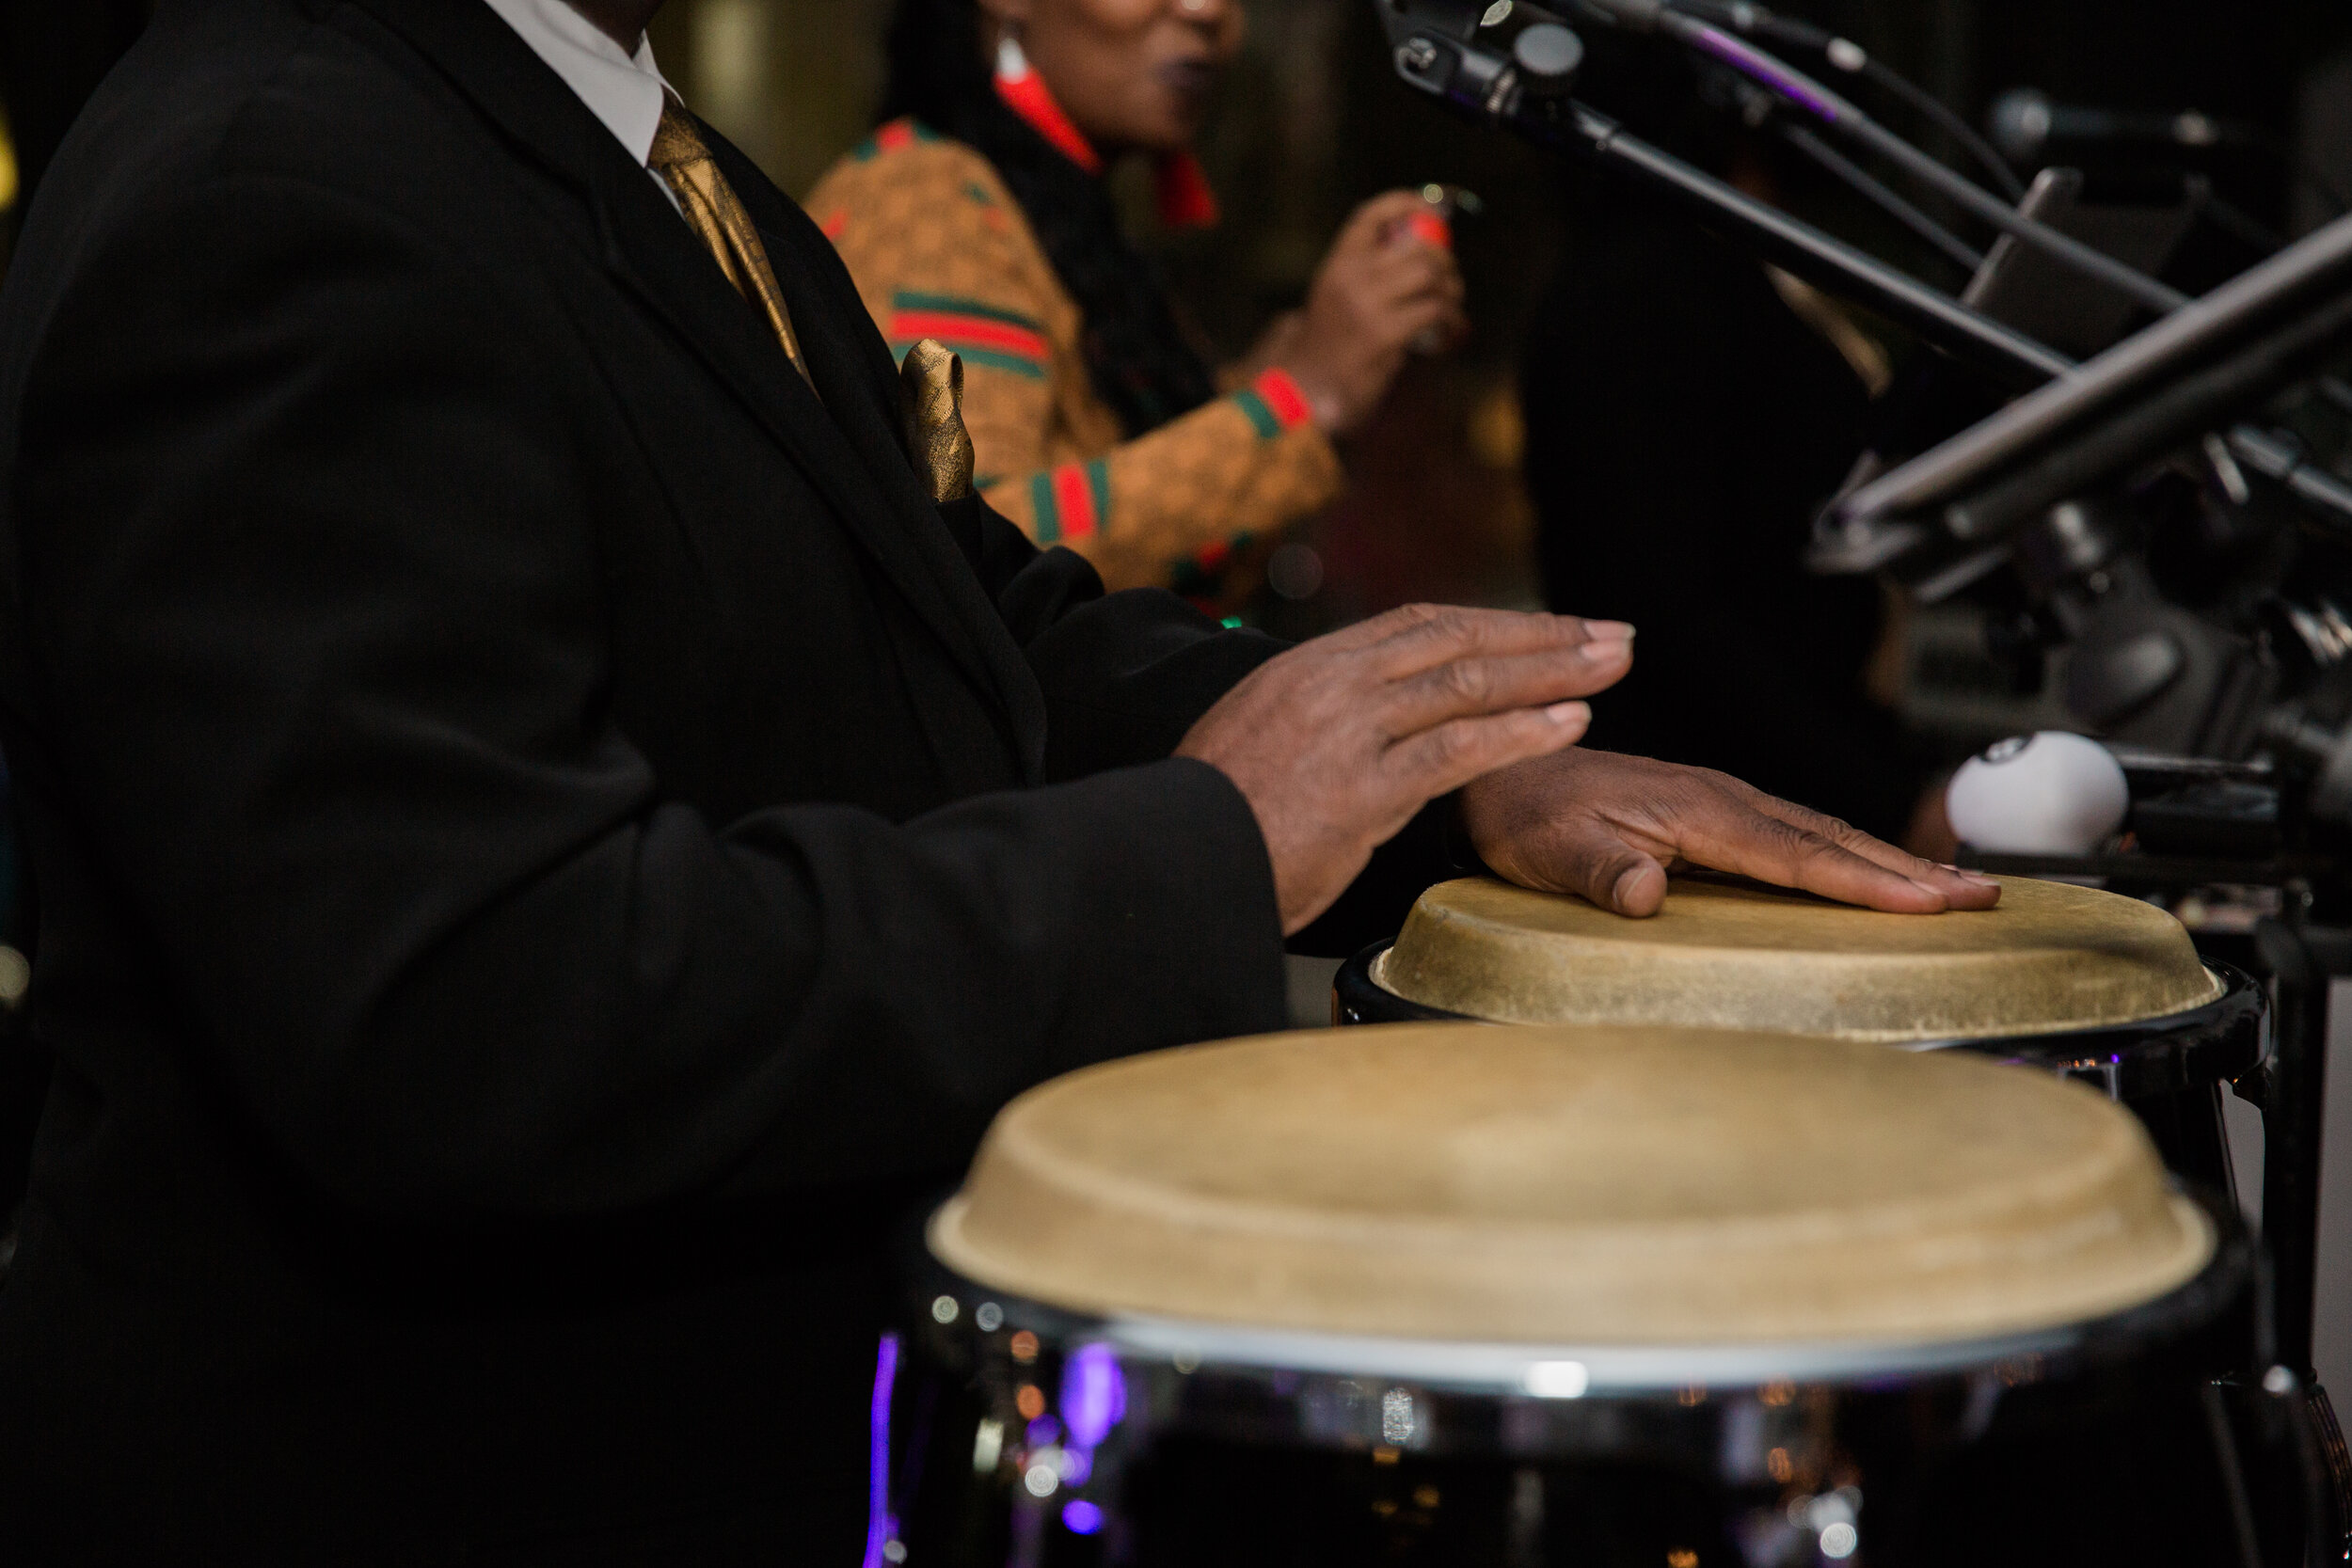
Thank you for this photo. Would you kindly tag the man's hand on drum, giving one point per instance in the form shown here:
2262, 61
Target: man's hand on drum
1609, 827
1338, 742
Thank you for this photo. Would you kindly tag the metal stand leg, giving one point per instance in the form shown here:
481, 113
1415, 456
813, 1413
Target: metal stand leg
2335, 1462
2304, 960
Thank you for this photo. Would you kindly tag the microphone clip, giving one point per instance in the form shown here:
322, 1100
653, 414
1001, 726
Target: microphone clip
1501, 62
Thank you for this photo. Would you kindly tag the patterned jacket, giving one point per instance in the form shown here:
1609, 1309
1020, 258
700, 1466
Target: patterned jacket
940, 249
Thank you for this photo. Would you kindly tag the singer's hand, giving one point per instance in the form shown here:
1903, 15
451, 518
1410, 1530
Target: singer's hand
1338, 742
1611, 827
1380, 287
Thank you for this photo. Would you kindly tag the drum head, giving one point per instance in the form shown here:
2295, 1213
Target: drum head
2049, 957
1573, 1186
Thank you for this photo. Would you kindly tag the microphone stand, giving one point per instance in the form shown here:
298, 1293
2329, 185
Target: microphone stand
1516, 78
2008, 356
1802, 92
1843, 54
1955, 249
1518, 81
1796, 246
2264, 452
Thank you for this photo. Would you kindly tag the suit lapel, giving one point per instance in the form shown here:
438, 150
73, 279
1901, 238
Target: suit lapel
659, 261
853, 374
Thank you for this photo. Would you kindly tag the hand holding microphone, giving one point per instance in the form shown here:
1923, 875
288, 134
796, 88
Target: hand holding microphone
1387, 287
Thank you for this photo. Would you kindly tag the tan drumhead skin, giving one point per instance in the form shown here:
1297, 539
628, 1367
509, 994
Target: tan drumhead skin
1584, 1185
2049, 956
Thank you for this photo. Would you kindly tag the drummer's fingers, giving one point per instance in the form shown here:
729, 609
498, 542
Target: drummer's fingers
1446, 756
1739, 838
1463, 688
1962, 890
1421, 637
1591, 856
1388, 625
1714, 820
1413, 637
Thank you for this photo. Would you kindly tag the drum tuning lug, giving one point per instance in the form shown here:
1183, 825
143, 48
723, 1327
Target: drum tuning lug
1399, 1419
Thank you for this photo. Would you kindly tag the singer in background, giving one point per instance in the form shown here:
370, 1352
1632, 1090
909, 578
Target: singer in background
978, 216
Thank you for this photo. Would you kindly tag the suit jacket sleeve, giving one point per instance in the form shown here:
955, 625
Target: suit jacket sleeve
332, 721
1126, 674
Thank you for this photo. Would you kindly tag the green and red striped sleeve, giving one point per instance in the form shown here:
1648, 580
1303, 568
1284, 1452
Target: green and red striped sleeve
985, 334
1184, 506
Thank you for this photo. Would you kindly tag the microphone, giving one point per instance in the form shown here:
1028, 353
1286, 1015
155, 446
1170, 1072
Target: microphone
2023, 124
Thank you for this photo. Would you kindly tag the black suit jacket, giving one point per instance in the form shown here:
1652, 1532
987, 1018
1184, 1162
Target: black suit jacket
546, 838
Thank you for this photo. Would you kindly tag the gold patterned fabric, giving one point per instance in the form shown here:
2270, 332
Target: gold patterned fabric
940, 250
717, 216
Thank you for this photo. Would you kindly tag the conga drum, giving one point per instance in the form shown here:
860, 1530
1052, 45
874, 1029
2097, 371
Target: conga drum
2081, 982
1527, 1298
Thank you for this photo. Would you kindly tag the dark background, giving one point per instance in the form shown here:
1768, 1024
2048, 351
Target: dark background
1314, 122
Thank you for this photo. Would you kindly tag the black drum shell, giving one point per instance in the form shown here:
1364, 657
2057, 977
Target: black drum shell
2094, 1443
2169, 1070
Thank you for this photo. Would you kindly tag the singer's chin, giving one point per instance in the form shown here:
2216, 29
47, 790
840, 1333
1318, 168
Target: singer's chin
1190, 80
1184, 95
1167, 131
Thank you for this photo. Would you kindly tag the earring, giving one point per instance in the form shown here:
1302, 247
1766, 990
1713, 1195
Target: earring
1011, 64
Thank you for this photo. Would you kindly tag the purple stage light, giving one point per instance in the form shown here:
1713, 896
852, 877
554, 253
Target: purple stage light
881, 1528
1093, 1394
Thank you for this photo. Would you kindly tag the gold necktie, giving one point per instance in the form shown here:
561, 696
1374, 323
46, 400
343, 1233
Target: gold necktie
718, 217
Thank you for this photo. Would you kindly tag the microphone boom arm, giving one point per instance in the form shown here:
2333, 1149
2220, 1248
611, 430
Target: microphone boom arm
1821, 259
1433, 53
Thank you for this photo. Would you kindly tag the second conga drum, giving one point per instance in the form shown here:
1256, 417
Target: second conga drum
2081, 982
1534, 1298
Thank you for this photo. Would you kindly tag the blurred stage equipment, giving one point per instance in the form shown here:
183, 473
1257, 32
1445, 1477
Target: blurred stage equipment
2049, 794
1455, 1295
2155, 522
2026, 125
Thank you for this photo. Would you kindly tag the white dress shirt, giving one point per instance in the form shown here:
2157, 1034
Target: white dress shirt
625, 91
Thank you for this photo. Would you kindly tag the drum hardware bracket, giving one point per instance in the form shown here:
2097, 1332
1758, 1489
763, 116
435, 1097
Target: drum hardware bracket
2108, 1075
2288, 1087
2233, 1475
2303, 960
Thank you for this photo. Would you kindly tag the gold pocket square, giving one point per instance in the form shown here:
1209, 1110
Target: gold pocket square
930, 387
